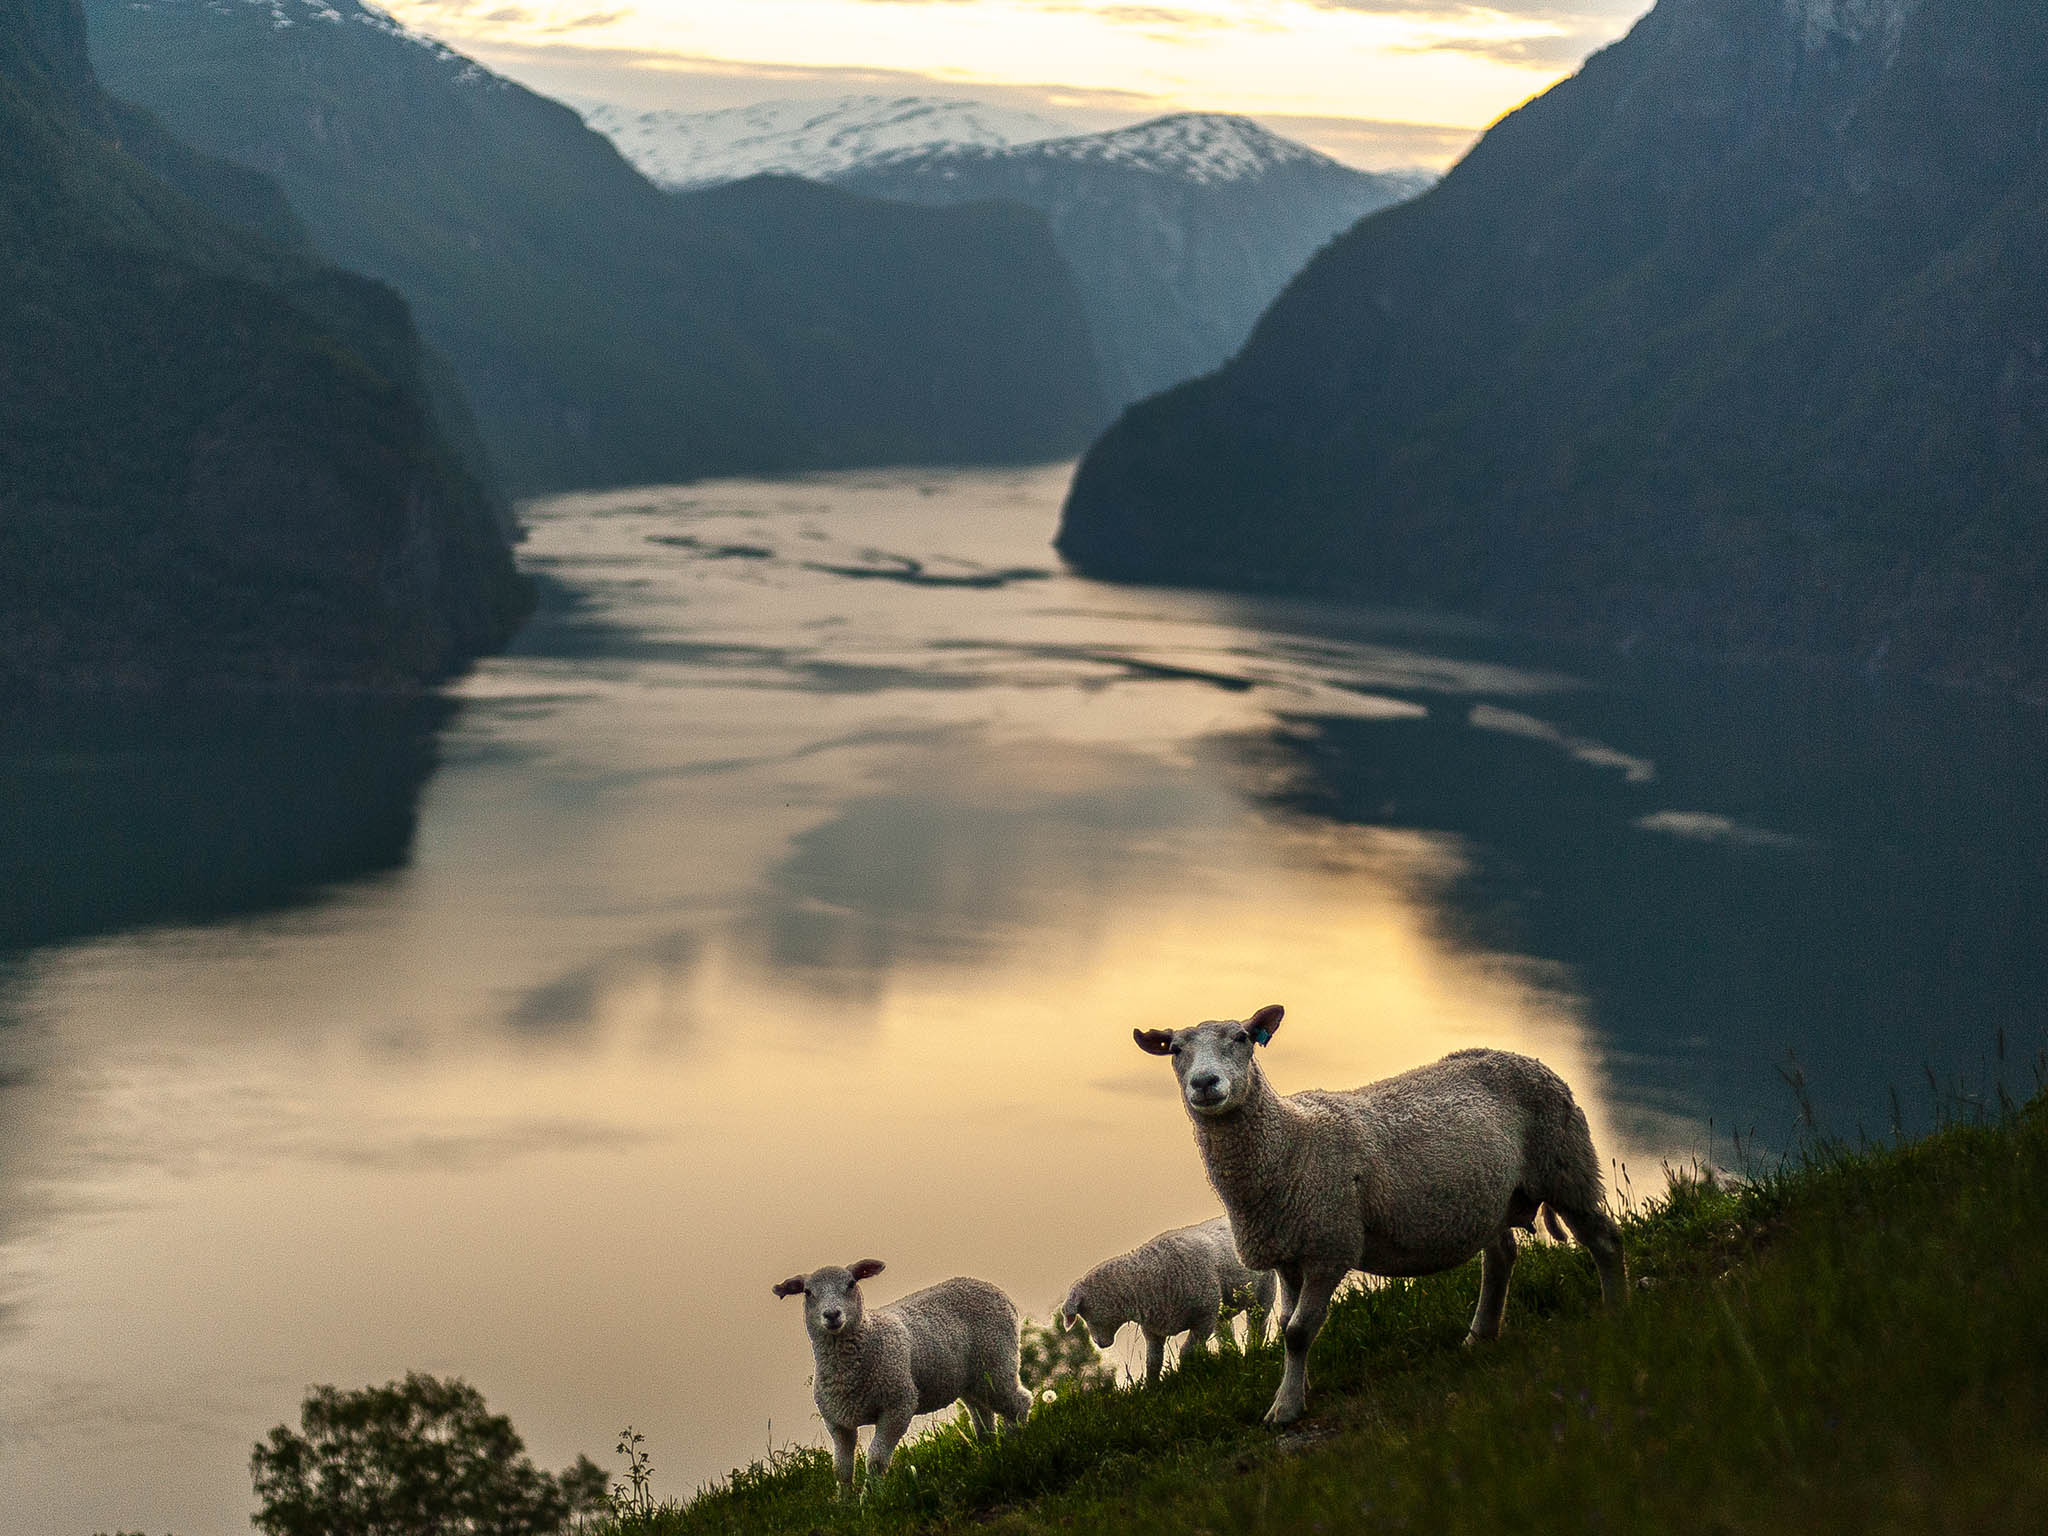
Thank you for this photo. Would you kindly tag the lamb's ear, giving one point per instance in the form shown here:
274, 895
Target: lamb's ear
1265, 1024
1070, 1308
1158, 1041
793, 1286
865, 1269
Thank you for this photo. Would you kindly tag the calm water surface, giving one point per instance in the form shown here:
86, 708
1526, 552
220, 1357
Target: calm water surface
790, 896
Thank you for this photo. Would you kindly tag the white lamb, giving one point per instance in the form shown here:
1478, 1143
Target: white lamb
951, 1341
1409, 1176
1182, 1281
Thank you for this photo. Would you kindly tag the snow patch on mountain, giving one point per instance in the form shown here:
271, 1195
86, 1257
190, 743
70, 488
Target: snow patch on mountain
815, 139
335, 13
1205, 147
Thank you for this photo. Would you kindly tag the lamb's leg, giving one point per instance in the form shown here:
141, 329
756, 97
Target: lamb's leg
1155, 1355
1311, 1304
1258, 1323
888, 1430
984, 1421
843, 1447
1019, 1407
1496, 1265
1599, 1236
1198, 1338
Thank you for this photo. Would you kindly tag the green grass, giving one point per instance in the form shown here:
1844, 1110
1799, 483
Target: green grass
1853, 1343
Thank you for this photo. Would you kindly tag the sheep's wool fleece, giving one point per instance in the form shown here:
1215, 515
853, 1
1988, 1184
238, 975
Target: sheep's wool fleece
951, 1340
1407, 1176
1178, 1281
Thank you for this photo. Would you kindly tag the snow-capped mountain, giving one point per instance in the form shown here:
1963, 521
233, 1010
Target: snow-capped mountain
815, 139
1180, 231
1204, 148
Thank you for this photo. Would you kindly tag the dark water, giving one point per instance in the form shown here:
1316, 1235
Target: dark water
793, 889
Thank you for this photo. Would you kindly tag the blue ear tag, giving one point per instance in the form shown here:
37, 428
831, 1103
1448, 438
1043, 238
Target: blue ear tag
1263, 1035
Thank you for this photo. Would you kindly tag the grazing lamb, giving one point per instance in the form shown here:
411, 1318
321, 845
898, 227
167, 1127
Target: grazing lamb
953, 1340
1408, 1176
1180, 1282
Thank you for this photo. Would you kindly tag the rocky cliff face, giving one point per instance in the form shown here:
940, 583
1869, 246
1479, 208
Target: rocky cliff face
220, 464
1179, 231
1732, 341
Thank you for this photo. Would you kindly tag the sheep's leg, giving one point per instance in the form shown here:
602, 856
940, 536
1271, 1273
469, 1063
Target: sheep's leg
984, 1421
1019, 1407
1496, 1265
1599, 1236
1311, 1304
891, 1428
843, 1446
1258, 1322
1155, 1355
1198, 1338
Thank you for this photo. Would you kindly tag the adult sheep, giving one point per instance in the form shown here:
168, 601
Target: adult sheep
948, 1342
1408, 1176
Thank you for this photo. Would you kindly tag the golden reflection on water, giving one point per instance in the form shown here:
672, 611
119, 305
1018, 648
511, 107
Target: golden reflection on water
712, 963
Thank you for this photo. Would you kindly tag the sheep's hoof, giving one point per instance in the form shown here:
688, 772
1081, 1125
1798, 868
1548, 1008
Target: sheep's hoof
1280, 1415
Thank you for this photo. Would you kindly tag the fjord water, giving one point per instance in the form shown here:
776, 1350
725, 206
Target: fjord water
789, 896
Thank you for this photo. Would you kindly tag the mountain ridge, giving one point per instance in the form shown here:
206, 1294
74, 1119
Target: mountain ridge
1179, 230
819, 139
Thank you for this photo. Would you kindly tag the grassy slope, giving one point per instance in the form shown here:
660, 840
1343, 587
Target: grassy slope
1854, 1345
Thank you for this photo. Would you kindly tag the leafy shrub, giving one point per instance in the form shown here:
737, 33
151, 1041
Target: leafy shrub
1062, 1359
419, 1457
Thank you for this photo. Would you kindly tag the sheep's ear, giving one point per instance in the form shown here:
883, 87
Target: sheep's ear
866, 1269
1158, 1041
1265, 1024
793, 1286
1070, 1308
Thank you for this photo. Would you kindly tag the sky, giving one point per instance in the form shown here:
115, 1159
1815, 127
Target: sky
1377, 83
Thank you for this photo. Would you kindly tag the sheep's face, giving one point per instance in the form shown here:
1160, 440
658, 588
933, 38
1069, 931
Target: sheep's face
1213, 1061
832, 1299
1100, 1328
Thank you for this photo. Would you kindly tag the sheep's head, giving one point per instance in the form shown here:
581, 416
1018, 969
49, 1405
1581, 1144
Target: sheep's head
1214, 1060
1075, 1309
832, 1300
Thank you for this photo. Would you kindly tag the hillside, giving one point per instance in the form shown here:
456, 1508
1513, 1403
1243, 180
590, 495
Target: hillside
812, 139
1731, 342
1180, 231
1850, 1342
605, 331
221, 464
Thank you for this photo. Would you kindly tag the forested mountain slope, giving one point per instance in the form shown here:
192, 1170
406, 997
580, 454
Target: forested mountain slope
220, 463
1734, 340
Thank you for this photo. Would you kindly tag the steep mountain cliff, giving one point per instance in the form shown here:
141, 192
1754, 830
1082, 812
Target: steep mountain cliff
1179, 231
220, 463
606, 331
1733, 341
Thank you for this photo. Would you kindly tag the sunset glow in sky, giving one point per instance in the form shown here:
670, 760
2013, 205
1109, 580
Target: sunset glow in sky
1351, 74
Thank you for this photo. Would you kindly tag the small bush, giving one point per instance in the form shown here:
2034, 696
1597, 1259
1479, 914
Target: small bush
419, 1457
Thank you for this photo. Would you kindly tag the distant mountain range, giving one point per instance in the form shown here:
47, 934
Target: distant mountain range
607, 332
812, 139
221, 462
1732, 341
1180, 231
